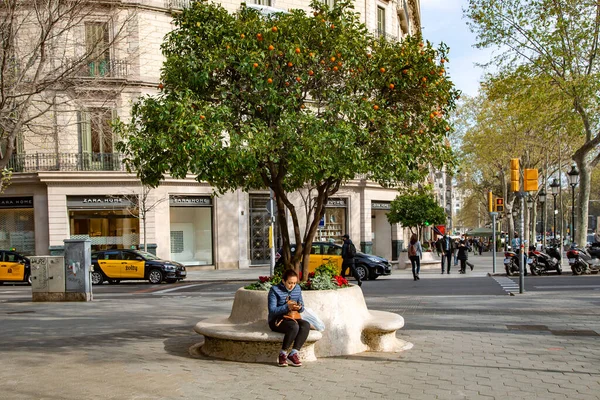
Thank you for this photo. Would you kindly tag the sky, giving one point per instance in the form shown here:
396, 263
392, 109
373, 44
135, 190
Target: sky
443, 21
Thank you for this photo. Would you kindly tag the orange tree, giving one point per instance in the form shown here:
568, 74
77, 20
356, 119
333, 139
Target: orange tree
288, 101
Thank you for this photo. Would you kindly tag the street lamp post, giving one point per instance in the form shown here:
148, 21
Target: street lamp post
542, 198
555, 188
573, 176
515, 214
530, 207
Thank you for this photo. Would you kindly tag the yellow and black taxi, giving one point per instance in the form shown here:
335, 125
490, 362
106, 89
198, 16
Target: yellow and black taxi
367, 266
120, 264
14, 267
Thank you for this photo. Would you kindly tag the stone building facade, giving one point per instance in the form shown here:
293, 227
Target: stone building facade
69, 181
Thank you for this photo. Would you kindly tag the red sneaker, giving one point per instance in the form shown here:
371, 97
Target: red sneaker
294, 360
282, 360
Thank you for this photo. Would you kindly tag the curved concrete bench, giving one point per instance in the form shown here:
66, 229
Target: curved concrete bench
350, 327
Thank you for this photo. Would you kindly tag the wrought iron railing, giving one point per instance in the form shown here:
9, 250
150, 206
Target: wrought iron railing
102, 69
388, 36
66, 162
177, 4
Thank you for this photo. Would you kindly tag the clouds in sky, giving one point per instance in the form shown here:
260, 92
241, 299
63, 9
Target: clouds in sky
443, 21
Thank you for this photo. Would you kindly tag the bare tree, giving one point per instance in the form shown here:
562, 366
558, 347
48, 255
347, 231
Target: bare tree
53, 54
142, 203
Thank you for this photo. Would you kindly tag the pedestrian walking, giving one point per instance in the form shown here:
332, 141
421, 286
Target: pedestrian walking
447, 249
455, 251
415, 253
463, 256
286, 297
348, 253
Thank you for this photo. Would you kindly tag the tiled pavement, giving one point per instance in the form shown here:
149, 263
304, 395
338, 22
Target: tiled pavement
530, 346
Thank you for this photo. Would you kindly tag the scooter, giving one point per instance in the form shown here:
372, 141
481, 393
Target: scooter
511, 263
581, 261
543, 262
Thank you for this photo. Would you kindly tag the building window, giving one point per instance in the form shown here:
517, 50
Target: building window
97, 49
381, 21
95, 133
263, 2
329, 3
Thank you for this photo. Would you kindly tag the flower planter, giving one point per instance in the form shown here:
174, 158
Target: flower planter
350, 327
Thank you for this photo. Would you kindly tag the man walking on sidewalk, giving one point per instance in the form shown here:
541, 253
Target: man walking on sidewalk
447, 250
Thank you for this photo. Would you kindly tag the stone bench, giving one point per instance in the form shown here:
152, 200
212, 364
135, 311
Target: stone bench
350, 328
248, 342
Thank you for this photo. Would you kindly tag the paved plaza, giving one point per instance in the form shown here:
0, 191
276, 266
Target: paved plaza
530, 346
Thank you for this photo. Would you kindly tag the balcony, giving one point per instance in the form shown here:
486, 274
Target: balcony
388, 36
101, 69
66, 162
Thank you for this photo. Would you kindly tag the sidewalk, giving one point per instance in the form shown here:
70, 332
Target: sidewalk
485, 347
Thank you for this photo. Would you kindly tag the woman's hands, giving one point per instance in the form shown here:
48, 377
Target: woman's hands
293, 306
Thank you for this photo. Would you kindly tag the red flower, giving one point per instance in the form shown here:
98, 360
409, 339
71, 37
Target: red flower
340, 281
311, 275
264, 279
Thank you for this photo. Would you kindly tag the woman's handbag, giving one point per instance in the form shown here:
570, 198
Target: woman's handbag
292, 314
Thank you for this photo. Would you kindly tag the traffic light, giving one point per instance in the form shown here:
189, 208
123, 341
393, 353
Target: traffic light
499, 204
514, 174
530, 180
427, 223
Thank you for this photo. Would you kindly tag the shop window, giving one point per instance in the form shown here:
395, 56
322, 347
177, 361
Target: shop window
107, 229
17, 230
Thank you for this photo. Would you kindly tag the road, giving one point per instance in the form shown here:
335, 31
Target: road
431, 284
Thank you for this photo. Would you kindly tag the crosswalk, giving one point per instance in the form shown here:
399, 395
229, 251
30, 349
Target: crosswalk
507, 284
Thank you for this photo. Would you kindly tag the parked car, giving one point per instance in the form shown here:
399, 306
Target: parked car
14, 267
367, 266
116, 265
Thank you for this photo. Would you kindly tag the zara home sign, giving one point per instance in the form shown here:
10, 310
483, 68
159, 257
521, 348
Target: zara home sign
99, 202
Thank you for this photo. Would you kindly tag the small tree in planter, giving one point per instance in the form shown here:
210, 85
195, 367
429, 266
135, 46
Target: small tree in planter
289, 101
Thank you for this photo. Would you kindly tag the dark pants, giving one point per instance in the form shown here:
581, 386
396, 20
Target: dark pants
415, 261
447, 256
349, 263
463, 266
294, 331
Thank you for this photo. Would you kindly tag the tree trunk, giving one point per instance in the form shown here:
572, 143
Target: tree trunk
581, 212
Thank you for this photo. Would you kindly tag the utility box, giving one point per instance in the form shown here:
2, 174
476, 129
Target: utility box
78, 263
47, 278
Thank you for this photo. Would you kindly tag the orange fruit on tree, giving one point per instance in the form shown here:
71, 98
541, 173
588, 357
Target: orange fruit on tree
160, 86
375, 107
335, 68
298, 79
443, 60
297, 50
287, 84
271, 47
382, 70
259, 36
274, 29
332, 59
339, 55
332, 26
202, 117
289, 64
311, 54
269, 80
391, 86
339, 63
405, 71
369, 55
311, 73
424, 79
421, 44
255, 65
242, 36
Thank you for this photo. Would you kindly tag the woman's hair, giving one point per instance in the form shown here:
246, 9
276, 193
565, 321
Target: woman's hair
288, 273
413, 238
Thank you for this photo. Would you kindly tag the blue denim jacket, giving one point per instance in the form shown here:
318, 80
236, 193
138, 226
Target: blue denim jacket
278, 296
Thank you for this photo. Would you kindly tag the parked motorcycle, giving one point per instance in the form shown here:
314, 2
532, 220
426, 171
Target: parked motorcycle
581, 261
512, 263
543, 262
